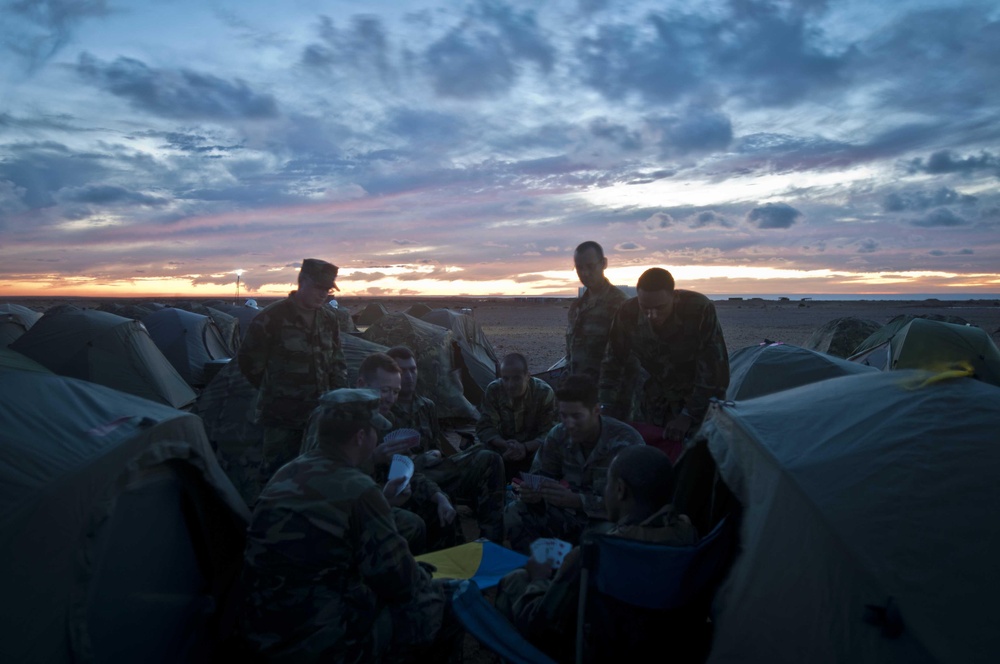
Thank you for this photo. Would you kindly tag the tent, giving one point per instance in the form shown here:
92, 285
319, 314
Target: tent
418, 309
15, 320
841, 336
432, 345
919, 343
188, 340
120, 537
767, 368
869, 527
105, 349
480, 365
243, 315
11, 359
373, 312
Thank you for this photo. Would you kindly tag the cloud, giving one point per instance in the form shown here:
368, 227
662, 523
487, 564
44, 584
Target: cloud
944, 161
708, 218
773, 215
480, 59
629, 246
922, 200
41, 28
937, 252
940, 217
867, 246
403, 243
698, 130
657, 222
618, 134
363, 47
179, 93
106, 194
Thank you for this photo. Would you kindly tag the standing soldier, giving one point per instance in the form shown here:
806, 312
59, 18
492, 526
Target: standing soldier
590, 315
292, 354
676, 337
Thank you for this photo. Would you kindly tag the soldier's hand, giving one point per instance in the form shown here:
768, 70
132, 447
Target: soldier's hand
557, 495
446, 513
678, 427
432, 458
393, 495
529, 495
383, 453
515, 451
537, 570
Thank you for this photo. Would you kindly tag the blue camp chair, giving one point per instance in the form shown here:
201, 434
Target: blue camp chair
638, 598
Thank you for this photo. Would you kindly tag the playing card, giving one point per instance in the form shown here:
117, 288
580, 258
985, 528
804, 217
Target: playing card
402, 466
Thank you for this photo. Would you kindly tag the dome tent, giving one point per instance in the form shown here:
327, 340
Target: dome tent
766, 368
106, 349
869, 521
15, 320
119, 534
188, 340
480, 365
841, 336
920, 343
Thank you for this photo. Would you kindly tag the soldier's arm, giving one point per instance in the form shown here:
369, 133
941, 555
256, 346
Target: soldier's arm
423, 488
435, 436
338, 364
385, 560
488, 426
613, 394
712, 370
549, 459
252, 355
546, 416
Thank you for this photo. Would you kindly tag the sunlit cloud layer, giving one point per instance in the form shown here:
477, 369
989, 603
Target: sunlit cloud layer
750, 146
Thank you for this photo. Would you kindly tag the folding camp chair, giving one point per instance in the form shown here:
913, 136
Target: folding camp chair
638, 598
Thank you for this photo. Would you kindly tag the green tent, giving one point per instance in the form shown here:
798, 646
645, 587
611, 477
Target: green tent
120, 537
15, 320
767, 368
869, 530
105, 349
480, 365
189, 341
919, 343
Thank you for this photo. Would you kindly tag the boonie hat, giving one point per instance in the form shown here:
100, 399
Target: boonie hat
321, 273
356, 404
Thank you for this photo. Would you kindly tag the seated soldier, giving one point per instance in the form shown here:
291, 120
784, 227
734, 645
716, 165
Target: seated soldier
573, 460
475, 475
327, 576
637, 498
517, 413
427, 519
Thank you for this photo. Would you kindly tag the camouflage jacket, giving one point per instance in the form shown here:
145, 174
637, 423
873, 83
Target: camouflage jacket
325, 568
562, 459
420, 414
687, 360
532, 419
291, 363
590, 318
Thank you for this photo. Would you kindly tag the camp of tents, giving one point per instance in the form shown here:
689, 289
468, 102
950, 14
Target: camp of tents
865, 475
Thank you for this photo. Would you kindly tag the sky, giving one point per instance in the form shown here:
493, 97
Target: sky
444, 148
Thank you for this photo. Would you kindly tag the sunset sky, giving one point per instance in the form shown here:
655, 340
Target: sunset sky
156, 147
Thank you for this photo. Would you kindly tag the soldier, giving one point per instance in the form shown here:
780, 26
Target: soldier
292, 354
574, 460
676, 337
517, 412
327, 576
590, 315
475, 475
637, 498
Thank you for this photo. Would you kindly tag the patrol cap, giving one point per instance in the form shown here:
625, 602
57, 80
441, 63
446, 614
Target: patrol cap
352, 405
320, 272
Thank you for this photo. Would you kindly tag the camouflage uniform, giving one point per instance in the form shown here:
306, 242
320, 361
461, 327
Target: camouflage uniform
544, 611
292, 363
590, 318
561, 459
686, 360
531, 418
475, 476
327, 576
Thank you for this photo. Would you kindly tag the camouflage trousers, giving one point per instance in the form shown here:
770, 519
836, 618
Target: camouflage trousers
474, 477
526, 522
280, 447
412, 528
437, 535
241, 463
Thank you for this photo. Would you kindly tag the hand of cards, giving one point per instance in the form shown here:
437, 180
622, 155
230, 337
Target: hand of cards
402, 466
548, 548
